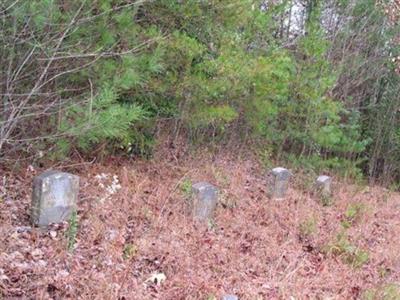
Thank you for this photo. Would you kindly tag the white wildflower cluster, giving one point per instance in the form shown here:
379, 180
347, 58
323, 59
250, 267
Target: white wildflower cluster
109, 187
128, 147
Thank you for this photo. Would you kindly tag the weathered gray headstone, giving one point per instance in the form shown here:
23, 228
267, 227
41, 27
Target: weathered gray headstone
323, 185
230, 297
54, 197
205, 198
279, 182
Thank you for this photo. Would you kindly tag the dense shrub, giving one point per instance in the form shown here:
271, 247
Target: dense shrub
99, 75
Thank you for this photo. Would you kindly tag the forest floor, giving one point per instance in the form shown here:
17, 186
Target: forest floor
135, 238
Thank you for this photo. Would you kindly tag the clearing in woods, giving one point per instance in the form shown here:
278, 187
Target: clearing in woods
133, 237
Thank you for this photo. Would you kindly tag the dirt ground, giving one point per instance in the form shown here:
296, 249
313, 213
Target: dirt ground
135, 237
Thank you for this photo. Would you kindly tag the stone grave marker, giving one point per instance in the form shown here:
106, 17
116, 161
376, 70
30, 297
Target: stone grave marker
204, 202
54, 197
279, 182
323, 186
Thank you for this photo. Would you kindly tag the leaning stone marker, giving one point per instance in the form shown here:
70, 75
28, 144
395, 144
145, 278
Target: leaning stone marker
323, 185
205, 198
280, 182
54, 197
230, 297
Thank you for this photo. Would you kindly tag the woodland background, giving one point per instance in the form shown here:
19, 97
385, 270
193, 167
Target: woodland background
313, 83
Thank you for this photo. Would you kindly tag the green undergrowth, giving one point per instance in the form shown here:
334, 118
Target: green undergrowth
389, 291
315, 165
349, 253
129, 251
342, 246
353, 214
185, 188
72, 231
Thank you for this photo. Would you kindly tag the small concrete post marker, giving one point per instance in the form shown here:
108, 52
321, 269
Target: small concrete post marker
54, 197
280, 182
323, 186
205, 198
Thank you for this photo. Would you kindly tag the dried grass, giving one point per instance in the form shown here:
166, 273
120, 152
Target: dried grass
254, 249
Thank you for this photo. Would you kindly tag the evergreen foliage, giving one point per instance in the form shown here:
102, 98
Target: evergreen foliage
104, 73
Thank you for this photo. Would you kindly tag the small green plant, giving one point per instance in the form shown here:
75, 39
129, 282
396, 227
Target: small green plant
353, 214
130, 250
72, 230
391, 292
387, 292
308, 227
211, 297
357, 258
349, 253
186, 187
